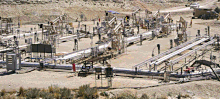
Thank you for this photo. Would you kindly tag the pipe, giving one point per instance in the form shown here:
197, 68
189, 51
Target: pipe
159, 61
19, 36
165, 53
115, 70
66, 38
172, 62
81, 52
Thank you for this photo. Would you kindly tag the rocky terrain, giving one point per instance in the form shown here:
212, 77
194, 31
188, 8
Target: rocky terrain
42, 12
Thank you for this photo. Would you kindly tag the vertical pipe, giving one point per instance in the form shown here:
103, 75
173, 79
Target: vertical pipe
85, 30
198, 32
158, 46
135, 70
42, 32
172, 67
171, 43
181, 70
92, 64
154, 67
208, 31
141, 39
99, 35
93, 31
77, 33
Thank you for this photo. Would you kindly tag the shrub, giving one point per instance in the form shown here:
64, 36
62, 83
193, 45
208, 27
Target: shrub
44, 94
86, 92
65, 93
32, 93
54, 89
179, 96
49, 96
21, 92
162, 97
12, 92
9, 97
104, 94
169, 94
3, 92
56, 95
125, 96
90, 93
144, 96
82, 90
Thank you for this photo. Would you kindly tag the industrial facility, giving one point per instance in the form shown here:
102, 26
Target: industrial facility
119, 50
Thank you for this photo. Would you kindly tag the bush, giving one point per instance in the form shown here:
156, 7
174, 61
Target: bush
9, 97
169, 94
144, 96
86, 92
162, 97
32, 93
45, 94
125, 96
65, 93
54, 89
104, 94
3, 92
21, 92
12, 92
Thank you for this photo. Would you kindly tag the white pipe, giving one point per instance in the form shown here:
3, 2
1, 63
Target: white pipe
80, 53
111, 21
165, 53
172, 62
159, 61
19, 35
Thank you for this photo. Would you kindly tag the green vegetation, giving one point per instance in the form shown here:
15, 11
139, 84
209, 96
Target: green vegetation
144, 96
21, 92
87, 93
3, 91
84, 92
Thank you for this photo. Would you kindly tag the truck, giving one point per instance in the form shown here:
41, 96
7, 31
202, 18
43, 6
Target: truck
204, 13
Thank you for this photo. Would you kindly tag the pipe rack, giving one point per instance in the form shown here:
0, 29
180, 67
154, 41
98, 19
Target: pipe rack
165, 53
172, 62
159, 61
